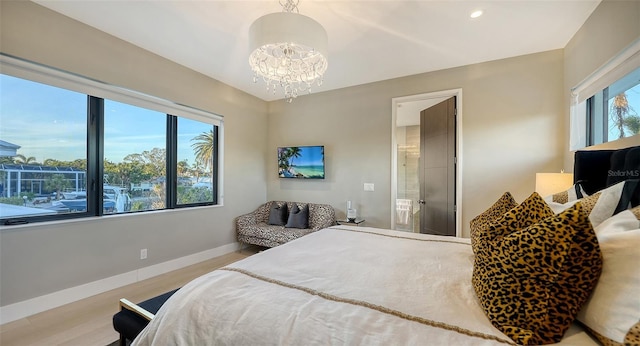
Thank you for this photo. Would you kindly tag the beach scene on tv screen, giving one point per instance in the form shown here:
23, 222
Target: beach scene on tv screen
301, 162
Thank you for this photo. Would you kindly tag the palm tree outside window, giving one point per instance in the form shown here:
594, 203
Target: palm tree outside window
612, 113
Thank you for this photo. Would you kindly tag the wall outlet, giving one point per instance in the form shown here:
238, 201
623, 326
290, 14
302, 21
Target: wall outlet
368, 186
143, 253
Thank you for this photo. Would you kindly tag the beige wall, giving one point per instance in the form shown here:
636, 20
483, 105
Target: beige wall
613, 26
512, 123
44, 258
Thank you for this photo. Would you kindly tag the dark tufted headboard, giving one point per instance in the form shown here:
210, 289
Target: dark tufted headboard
597, 169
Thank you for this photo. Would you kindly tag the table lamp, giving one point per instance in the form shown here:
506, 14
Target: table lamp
550, 183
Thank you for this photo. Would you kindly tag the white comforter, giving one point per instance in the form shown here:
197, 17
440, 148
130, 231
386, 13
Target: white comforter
338, 286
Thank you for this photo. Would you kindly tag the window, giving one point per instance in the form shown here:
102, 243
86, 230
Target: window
605, 106
612, 113
43, 149
135, 157
196, 155
72, 147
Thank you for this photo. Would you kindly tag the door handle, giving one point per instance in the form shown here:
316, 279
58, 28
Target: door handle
421, 201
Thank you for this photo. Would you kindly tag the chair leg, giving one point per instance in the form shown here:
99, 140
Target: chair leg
123, 340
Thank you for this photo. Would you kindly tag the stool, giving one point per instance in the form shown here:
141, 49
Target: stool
132, 318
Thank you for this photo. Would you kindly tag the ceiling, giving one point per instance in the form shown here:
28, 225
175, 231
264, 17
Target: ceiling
368, 40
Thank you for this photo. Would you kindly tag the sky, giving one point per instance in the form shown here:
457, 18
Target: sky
48, 122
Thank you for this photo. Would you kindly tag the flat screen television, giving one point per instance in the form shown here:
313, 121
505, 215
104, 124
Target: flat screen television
304, 162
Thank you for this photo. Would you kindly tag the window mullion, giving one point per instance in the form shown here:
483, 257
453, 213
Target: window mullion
95, 155
172, 162
214, 164
590, 122
605, 115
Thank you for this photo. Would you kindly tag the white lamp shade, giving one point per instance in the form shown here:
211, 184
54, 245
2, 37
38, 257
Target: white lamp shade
550, 183
281, 27
288, 50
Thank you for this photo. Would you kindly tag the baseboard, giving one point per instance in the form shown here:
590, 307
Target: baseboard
178, 263
39, 304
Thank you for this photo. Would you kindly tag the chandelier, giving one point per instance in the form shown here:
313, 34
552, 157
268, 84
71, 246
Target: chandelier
288, 50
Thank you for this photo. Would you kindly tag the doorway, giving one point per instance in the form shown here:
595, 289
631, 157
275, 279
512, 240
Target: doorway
432, 204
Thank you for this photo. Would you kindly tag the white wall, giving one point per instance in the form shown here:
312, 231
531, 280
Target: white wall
40, 259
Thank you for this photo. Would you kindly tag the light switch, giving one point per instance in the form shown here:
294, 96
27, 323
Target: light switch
368, 186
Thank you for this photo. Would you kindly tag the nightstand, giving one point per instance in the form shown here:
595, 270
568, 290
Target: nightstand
356, 222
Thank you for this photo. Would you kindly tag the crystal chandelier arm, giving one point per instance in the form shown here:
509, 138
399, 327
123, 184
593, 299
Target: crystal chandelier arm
290, 6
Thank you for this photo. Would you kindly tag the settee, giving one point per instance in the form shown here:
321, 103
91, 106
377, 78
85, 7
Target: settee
259, 228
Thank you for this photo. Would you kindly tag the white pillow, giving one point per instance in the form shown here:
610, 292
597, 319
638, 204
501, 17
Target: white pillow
621, 222
606, 204
614, 306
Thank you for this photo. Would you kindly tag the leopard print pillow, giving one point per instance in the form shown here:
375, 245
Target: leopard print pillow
532, 210
636, 212
501, 206
574, 193
536, 279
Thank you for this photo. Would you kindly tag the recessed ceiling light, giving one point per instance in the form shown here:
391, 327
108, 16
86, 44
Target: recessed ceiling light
476, 14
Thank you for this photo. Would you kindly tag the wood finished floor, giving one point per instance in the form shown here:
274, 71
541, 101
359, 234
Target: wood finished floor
88, 322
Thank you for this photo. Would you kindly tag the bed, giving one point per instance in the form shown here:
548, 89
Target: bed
349, 285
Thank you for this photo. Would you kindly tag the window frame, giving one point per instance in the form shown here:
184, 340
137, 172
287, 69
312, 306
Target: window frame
96, 93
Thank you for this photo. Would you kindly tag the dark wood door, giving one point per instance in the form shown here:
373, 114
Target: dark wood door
437, 168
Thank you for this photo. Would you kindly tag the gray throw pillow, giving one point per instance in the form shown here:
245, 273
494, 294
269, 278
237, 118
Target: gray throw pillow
298, 218
278, 214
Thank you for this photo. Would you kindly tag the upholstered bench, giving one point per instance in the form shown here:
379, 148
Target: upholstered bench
132, 318
259, 228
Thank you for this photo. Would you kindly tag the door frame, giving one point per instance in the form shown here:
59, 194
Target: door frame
395, 101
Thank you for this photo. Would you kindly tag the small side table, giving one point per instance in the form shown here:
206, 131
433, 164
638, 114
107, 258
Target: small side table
356, 222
